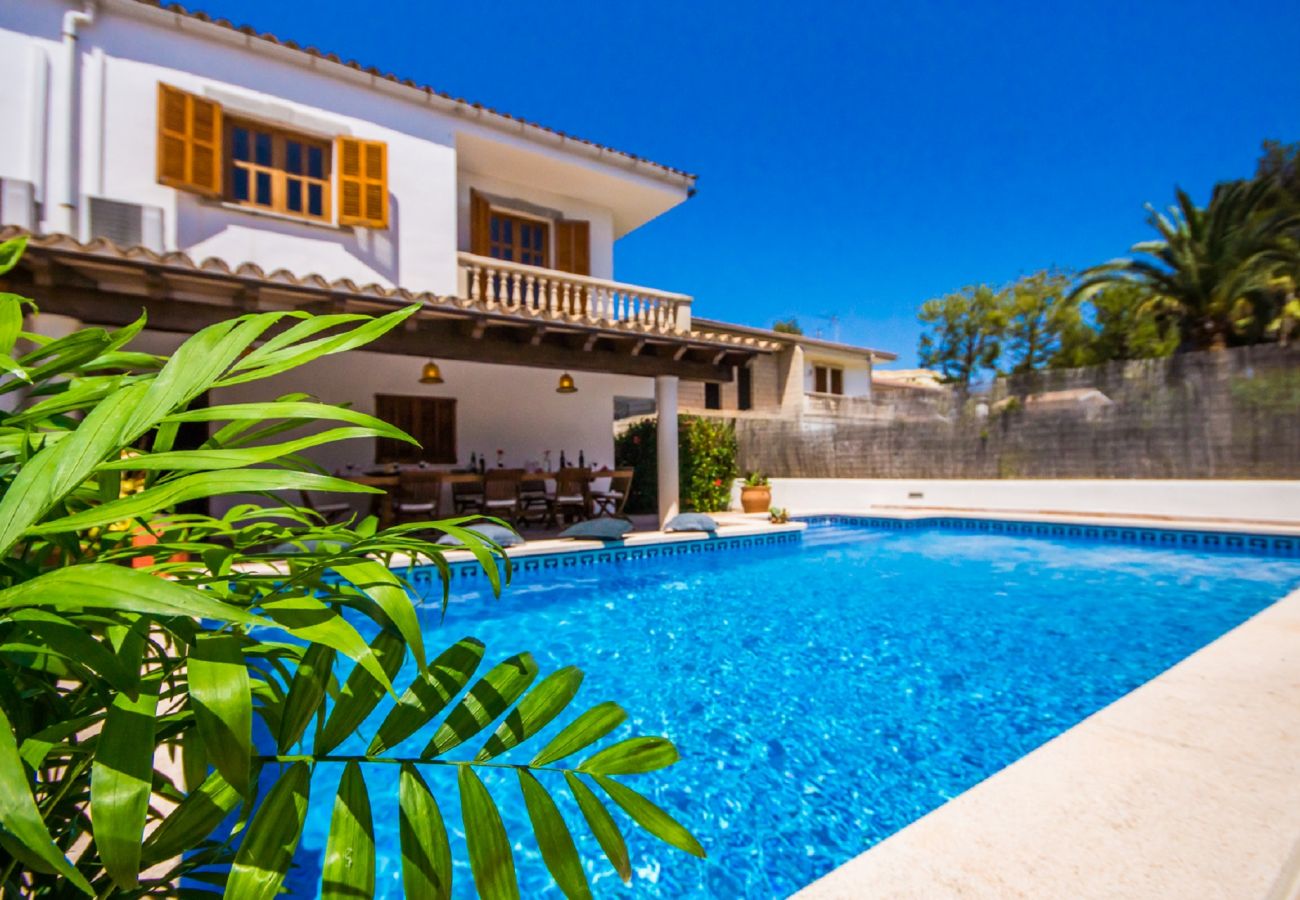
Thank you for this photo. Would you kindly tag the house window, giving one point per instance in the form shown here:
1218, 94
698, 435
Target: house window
744, 388
276, 170
712, 395
828, 380
430, 420
518, 239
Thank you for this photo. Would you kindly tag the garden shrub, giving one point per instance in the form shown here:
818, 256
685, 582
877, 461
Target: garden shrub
706, 459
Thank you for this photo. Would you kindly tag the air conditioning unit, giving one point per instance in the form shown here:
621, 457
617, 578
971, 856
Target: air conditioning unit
125, 224
17, 203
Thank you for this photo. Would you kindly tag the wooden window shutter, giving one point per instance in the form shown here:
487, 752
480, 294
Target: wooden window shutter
819, 380
363, 182
573, 246
189, 142
837, 381
480, 224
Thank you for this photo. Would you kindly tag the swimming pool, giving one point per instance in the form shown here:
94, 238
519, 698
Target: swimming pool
828, 692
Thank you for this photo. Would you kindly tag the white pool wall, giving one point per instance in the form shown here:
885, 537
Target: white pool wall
1247, 500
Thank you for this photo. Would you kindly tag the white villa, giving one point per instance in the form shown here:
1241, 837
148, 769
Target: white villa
168, 162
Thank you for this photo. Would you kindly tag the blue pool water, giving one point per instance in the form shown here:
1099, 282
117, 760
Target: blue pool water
823, 694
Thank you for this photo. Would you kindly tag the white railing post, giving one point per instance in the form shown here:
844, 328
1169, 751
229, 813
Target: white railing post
495, 283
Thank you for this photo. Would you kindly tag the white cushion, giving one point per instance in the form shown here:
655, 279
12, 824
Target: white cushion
569, 498
500, 503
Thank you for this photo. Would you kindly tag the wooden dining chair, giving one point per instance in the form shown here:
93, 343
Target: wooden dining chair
610, 502
418, 496
501, 493
467, 495
534, 501
572, 496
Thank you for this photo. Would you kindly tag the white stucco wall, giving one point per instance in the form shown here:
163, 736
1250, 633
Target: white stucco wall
126, 53
497, 407
1256, 500
547, 203
857, 377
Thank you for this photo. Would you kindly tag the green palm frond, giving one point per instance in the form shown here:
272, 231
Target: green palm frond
116, 655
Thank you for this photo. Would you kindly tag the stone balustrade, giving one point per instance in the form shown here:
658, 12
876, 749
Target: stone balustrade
500, 286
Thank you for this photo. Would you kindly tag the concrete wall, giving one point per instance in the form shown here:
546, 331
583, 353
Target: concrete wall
1255, 500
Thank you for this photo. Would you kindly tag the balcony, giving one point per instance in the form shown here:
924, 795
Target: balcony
495, 285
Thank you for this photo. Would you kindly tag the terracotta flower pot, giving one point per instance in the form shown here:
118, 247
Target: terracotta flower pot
756, 499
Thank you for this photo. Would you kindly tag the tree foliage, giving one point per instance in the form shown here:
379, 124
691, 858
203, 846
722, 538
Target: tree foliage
787, 326
706, 459
1224, 272
963, 331
245, 648
1037, 318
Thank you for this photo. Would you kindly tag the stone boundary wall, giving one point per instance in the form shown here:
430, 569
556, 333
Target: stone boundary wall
1227, 414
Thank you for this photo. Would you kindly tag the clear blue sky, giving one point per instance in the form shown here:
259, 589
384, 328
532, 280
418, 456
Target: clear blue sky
856, 159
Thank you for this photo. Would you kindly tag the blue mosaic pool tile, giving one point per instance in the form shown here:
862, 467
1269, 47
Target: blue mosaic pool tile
1226, 541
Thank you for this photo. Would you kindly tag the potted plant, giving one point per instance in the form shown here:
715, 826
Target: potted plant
756, 494
779, 516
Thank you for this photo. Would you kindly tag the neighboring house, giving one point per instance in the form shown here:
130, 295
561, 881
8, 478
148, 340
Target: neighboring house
168, 162
806, 376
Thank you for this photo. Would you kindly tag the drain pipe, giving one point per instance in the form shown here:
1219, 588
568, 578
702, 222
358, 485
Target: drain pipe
65, 183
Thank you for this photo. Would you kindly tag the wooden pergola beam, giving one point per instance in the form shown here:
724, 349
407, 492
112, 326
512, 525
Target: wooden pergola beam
443, 338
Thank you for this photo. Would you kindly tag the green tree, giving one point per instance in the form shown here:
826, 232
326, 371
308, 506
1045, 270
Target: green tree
1037, 313
962, 332
787, 326
1215, 269
115, 655
1119, 323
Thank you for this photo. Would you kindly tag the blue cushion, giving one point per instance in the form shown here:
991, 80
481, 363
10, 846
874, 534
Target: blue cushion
497, 534
602, 529
691, 522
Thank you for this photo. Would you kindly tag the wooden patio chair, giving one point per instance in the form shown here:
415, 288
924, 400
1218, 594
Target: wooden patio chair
534, 501
572, 495
418, 496
610, 502
467, 496
501, 494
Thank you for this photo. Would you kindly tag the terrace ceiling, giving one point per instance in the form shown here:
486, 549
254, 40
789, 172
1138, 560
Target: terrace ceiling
102, 283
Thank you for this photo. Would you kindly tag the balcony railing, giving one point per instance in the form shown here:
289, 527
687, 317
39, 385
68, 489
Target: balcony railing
497, 285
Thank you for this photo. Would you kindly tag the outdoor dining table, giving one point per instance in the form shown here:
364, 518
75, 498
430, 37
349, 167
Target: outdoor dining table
382, 504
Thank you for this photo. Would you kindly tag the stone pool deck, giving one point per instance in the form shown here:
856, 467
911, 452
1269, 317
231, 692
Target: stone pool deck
1188, 787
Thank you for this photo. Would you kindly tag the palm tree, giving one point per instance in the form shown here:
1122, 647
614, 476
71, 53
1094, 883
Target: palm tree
1213, 268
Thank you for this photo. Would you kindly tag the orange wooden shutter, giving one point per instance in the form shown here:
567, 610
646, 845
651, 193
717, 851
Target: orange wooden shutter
480, 224
363, 182
189, 142
573, 246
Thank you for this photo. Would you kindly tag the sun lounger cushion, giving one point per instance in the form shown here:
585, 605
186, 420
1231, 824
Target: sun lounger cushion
691, 522
497, 534
605, 529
